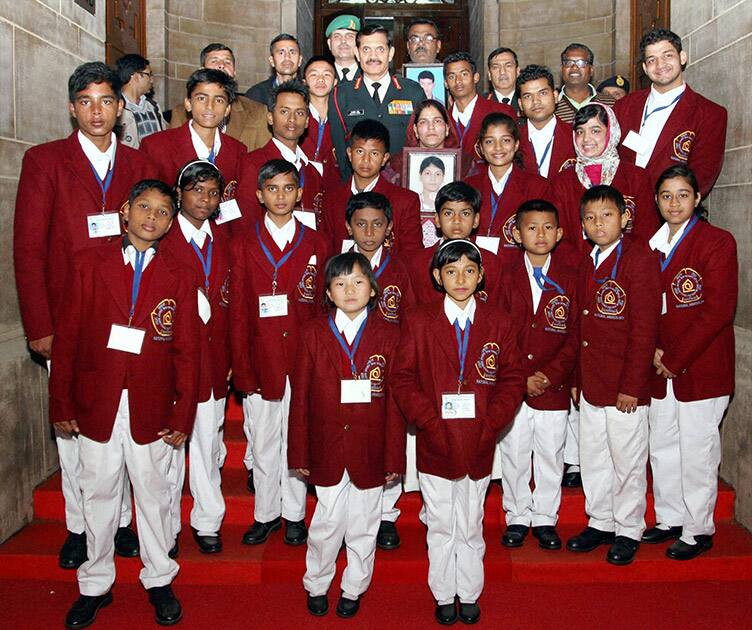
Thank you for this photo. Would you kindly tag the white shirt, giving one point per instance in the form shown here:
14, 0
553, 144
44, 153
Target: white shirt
461, 315
368, 188
540, 139
537, 292
353, 70
129, 256
192, 234
383, 85
464, 117
651, 129
315, 113
603, 255
202, 151
500, 97
376, 259
281, 235
659, 241
99, 160
499, 184
349, 327
298, 158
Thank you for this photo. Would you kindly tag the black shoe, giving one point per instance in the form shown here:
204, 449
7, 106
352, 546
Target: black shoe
126, 542
249, 484
623, 550
259, 531
166, 605
347, 608
85, 608
296, 532
388, 537
318, 605
73, 551
572, 480
446, 614
680, 550
173, 553
514, 535
469, 613
655, 535
589, 539
208, 544
547, 537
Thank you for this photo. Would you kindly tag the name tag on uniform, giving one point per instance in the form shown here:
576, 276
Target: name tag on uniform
356, 112
126, 339
355, 391
490, 243
306, 218
457, 406
637, 143
228, 211
272, 305
400, 108
347, 245
103, 224
664, 306
204, 307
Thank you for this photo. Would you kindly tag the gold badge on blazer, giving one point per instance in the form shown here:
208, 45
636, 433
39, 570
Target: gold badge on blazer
509, 225
374, 371
687, 286
389, 303
307, 284
611, 299
557, 313
631, 211
683, 145
488, 364
224, 291
230, 190
162, 318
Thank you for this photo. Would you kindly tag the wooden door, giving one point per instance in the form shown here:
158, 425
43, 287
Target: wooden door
645, 15
126, 29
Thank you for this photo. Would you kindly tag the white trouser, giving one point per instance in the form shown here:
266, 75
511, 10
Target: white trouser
571, 445
248, 456
279, 490
613, 462
453, 513
685, 452
343, 511
410, 478
103, 466
534, 443
392, 492
176, 480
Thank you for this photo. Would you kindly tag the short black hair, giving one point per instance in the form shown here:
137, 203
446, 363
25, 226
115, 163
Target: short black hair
688, 175
432, 160
426, 74
533, 72
128, 65
198, 171
450, 252
602, 193
283, 37
158, 185
430, 102
211, 75
536, 205
317, 58
374, 29
342, 265
275, 167
426, 22
458, 191
460, 56
500, 51
498, 118
659, 35
369, 199
586, 112
370, 129
213, 48
577, 46
293, 86
92, 72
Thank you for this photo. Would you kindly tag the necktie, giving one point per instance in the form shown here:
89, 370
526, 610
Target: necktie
376, 98
345, 72
505, 100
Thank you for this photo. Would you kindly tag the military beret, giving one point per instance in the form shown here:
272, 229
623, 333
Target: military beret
350, 22
615, 81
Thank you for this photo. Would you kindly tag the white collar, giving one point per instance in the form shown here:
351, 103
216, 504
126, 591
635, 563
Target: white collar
376, 259
353, 68
298, 158
604, 254
349, 327
191, 233
659, 241
315, 113
455, 313
658, 98
529, 265
129, 256
500, 96
100, 160
382, 81
464, 117
281, 235
499, 184
202, 151
368, 188
546, 132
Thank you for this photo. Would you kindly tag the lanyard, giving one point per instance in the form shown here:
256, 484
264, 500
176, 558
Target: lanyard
276, 264
322, 128
647, 114
382, 266
104, 186
541, 279
301, 175
667, 259
545, 153
356, 342
206, 263
463, 339
212, 155
138, 270
461, 130
616, 264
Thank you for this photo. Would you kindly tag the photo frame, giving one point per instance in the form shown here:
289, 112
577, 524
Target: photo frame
415, 71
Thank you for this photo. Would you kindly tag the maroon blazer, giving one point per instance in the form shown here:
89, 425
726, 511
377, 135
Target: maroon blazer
406, 229
548, 338
470, 160
395, 288
521, 186
562, 149
331, 177
215, 335
264, 349
328, 437
619, 325
697, 331
250, 165
57, 189
630, 181
172, 149
427, 366
694, 134
162, 381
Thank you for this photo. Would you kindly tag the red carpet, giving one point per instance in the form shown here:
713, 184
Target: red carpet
260, 587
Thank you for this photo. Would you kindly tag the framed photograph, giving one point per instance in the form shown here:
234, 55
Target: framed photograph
430, 76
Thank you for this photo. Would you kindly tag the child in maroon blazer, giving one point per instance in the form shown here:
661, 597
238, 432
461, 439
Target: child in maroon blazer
346, 434
539, 293
619, 293
694, 361
130, 315
459, 378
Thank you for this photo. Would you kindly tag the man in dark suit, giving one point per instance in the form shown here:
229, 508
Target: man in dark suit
503, 70
340, 37
285, 59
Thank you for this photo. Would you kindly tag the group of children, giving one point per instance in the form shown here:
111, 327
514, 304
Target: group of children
341, 331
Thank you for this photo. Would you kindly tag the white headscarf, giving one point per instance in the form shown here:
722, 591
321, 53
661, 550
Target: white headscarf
608, 160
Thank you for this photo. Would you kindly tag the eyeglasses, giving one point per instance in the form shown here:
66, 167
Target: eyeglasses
580, 63
145, 74
416, 39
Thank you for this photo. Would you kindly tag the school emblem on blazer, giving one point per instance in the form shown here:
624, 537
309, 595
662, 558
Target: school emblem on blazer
162, 318
683, 145
610, 300
230, 189
687, 287
224, 291
389, 303
374, 371
307, 284
481, 295
557, 313
507, 231
566, 164
488, 364
629, 201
